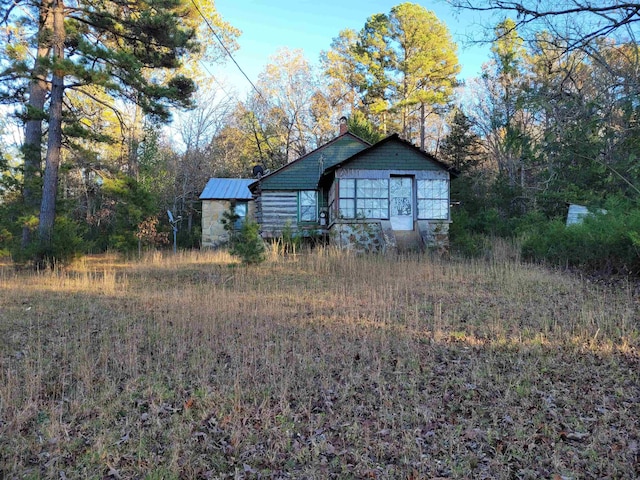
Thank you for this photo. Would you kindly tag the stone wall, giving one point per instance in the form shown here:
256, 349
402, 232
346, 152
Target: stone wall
378, 237
434, 234
213, 232
359, 237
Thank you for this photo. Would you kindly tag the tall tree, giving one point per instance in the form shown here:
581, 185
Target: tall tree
506, 120
462, 148
102, 53
197, 129
32, 92
112, 48
33, 117
401, 65
588, 111
426, 62
283, 115
358, 124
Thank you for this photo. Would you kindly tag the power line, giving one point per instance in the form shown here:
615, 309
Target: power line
213, 77
225, 48
234, 61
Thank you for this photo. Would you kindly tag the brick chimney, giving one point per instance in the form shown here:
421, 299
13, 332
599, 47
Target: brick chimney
343, 125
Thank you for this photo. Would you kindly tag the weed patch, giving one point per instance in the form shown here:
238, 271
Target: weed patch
319, 365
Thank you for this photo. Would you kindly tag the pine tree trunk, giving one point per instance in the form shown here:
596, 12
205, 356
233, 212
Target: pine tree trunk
54, 145
32, 148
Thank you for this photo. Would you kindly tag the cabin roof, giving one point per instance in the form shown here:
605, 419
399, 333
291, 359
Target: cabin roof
227, 189
304, 172
386, 155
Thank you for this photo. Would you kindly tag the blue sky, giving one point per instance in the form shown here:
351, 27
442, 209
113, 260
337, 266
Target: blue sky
310, 25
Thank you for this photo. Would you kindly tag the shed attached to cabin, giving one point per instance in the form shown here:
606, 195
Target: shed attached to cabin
217, 197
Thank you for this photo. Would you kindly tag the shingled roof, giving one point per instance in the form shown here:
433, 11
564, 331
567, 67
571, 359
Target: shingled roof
304, 172
384, 155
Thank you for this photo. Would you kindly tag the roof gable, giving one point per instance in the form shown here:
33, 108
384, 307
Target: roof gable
304, 172
391, 153
227, 189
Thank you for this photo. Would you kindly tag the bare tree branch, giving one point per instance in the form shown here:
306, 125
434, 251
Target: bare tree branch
584, 20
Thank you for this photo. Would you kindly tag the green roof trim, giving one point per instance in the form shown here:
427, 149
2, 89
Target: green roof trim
304, 172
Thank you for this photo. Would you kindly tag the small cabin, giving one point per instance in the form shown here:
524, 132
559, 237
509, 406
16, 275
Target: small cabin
383, 197
218, 196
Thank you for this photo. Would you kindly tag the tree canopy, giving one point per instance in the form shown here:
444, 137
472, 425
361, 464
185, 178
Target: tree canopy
398, 64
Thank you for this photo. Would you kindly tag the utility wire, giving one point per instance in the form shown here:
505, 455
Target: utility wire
236, 63
220, 85
225, 48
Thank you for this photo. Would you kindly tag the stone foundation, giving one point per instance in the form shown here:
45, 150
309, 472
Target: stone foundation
359, 237
434, 234
378, 237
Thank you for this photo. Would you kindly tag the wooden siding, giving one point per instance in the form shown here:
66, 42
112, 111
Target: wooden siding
393, 155
277, 209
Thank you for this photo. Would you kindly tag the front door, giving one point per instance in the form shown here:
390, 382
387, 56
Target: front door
401, 203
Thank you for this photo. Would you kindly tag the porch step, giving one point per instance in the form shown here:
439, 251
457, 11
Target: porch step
408, 241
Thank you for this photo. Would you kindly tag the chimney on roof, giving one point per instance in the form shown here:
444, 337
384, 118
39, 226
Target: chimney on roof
343, 125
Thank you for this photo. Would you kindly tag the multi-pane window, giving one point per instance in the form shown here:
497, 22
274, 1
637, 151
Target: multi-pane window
308, 203
364, 197
347, 204
433, 199
372, 198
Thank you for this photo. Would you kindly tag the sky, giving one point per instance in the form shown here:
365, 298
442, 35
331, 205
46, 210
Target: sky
310, 25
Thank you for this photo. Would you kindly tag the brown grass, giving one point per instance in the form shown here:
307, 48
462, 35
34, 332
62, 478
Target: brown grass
324, 365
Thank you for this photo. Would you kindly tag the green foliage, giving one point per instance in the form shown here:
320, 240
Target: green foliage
462, 237
291, 241
604, 243
6, 238
245, 241
67, 243
461, 148
363, 128
119, 207
396, 61
248, 244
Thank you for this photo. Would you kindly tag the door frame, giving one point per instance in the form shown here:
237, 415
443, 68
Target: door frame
403, 222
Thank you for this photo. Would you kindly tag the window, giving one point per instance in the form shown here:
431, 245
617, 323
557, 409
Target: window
347, 205
433, 199
364, 197
240, 210
372, 198
308, 206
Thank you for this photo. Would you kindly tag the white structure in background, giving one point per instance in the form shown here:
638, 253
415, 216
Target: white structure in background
577, 213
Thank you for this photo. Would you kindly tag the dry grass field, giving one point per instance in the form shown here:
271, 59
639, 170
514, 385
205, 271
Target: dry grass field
316, 366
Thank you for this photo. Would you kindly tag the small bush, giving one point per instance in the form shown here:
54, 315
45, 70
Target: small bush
291, 241
245, 242
66, 244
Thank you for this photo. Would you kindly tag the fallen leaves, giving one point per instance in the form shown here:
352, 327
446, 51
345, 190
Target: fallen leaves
318, 368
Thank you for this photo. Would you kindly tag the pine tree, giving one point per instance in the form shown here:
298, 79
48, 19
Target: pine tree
401, 65
128, 51
462, 148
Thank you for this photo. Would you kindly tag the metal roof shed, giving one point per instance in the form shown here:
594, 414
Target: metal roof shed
217, 197
227, 189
